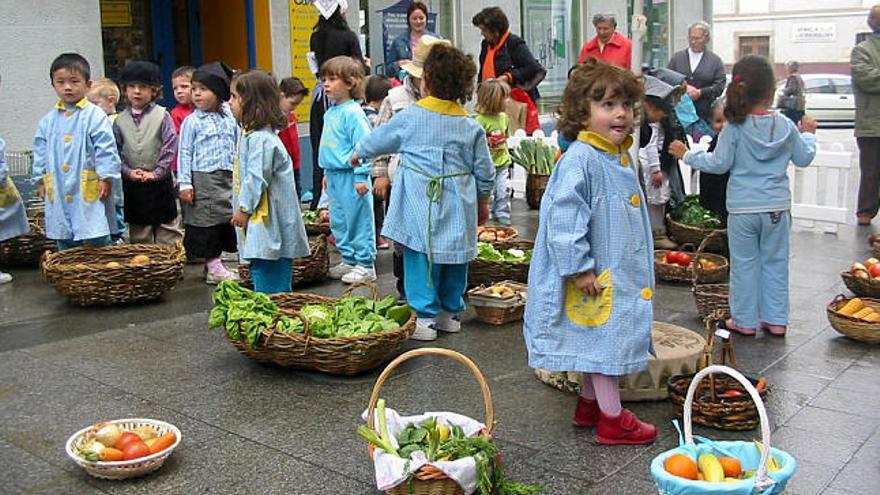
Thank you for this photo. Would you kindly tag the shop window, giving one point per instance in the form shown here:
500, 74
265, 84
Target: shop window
754, 45
656, 41
548, 35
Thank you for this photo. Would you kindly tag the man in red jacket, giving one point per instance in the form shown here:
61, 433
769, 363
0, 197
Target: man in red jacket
608, 45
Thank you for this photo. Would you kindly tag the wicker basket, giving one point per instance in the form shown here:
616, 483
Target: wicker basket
710, 298
862, 287
120, 470
82, 275
308, 270
336, 356
683, 234
535, 185
677, 273
429, 480
490, 233
27, 249
854, 328
488, 272
317, 228
499, 310
710, 408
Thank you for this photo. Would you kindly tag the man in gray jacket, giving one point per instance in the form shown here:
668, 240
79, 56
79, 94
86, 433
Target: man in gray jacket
865, 66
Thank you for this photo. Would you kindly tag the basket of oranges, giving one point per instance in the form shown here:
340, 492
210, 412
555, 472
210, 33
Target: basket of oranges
723, 467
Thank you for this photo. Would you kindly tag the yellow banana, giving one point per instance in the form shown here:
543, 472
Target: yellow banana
772, 463
711, 468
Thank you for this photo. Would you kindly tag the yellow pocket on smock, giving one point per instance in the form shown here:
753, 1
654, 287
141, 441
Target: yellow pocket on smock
90, 186
8, 193
49, 186
583, 309
261, 213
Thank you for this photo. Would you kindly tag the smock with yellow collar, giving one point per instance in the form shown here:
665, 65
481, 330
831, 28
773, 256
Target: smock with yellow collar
593, 217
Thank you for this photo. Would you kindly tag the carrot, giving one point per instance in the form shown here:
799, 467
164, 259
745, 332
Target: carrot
163, 442
762, 384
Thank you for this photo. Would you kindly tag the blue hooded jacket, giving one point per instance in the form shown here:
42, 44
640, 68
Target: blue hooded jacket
756, 153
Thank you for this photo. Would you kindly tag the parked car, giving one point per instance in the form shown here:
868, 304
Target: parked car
829, 97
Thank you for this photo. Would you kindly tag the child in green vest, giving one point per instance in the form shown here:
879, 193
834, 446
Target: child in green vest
492, 96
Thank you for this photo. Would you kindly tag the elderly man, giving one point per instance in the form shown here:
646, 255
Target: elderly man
865, 67
702, 68
608, 45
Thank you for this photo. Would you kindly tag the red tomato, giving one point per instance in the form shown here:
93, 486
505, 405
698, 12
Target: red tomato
163, 442
672, 257
125, 439
684, 259
874, 270
135, 450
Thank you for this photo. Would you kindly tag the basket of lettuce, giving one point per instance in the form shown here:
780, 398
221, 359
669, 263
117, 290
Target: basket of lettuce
690, 223
499, 262
340, 336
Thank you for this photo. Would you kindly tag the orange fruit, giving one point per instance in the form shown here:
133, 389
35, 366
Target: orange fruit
682, 466
732, 467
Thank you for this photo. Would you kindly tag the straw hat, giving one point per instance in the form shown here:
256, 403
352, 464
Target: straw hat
415, 66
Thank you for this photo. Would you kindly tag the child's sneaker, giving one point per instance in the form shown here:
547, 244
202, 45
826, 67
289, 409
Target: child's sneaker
340, 270
217, 276
5, 278
425, 329
504, 222
359, 274
586, 413
448, 322
624, 429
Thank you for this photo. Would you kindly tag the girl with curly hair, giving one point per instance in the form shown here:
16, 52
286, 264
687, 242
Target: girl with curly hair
591, 278
441, 189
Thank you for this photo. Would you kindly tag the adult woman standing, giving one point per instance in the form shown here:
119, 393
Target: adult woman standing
792, 101
331, 38
504, 55
402, 47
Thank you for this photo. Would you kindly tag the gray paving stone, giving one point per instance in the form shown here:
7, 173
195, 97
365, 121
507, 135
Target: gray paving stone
814, 446
810, 478
833, 423
847, 401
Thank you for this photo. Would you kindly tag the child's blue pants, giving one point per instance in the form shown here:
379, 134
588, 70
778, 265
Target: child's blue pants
444, 291
351, 219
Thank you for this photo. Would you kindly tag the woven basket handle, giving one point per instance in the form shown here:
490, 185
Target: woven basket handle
761, 475
307, 331
434, 351
838, 298
373, 292
687, 246
699, 254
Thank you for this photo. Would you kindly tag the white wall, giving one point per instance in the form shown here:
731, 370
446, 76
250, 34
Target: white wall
279, 21
32, 35
470, 34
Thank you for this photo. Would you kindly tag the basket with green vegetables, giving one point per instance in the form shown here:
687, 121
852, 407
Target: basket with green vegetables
501, 261
535, 156
689, 212
313, 223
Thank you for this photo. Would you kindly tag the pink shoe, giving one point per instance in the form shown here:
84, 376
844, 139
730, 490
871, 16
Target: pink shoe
586, 413
382, 244
733, 327
775, 330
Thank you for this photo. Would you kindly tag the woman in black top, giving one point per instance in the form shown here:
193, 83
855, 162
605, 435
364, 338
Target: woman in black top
331, 38
513, 62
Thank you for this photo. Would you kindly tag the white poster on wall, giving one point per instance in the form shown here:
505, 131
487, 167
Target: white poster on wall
814, 32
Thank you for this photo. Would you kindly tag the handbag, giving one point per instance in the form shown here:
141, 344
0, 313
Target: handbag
533, 83
788, 103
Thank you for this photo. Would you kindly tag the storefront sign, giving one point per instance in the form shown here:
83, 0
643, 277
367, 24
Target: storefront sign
394, 23
814, 32
303, 16
115, 14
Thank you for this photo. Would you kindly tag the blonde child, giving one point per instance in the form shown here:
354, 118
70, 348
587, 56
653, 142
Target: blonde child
181, 86
105, 94
205, 154
591, 278
292, 93
348, 189
441, 189
13, 217
271, 232
755, 147
75, 161
492, 95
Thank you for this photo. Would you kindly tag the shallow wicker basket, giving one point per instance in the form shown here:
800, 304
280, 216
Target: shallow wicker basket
535, 186
862, 287
677, 273
491, 233
317, 228
429, 480
27, 249
854, 328
488, 272
710, 298
309, 270
337, 356
499, 310
82, 275
683, 234
120, 470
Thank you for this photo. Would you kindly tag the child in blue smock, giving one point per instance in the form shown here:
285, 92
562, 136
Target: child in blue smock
13, 217
75, 161
348, 189
755, 147
441, 189
592, 272
270, 228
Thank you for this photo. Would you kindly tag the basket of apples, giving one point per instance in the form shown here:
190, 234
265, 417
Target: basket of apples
682, 266
863, 279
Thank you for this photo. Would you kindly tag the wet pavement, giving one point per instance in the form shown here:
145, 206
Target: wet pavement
249, 428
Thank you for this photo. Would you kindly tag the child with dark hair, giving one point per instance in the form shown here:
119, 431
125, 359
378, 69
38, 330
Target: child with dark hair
292, 94
591, 278
375, 92
75, 161
147, 143
441, 189
756, 146
270, 228
713, 187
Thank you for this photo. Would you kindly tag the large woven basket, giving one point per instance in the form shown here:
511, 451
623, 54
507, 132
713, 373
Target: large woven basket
685, 274
120, 470
535, 186
82, 275
309, 270
317, 228
27, 249
429, 480
497, 310
710, 298
854, 328
683, 234
336, 356
487, 272
862, 287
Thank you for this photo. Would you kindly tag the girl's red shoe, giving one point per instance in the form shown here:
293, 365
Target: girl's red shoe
624, 429
586, 413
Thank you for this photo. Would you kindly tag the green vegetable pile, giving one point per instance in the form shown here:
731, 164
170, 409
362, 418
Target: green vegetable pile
689, 212
486, 251
310, 216
243, 310
440, 442
534, 156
